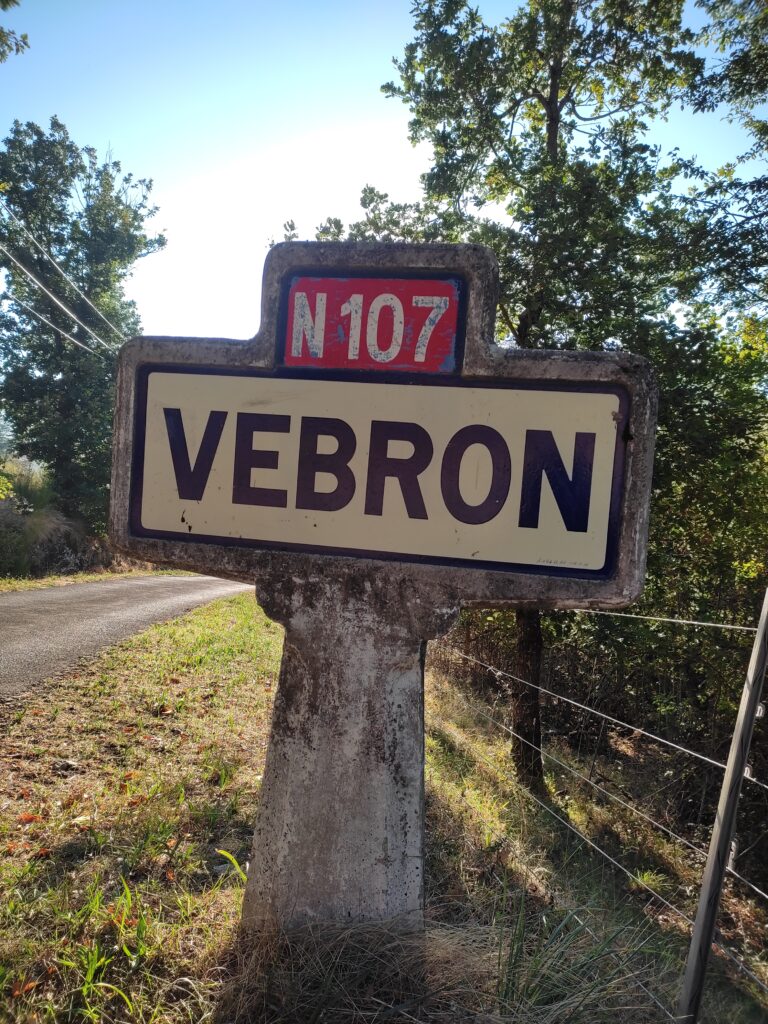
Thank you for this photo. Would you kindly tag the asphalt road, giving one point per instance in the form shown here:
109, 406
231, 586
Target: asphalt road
45, 632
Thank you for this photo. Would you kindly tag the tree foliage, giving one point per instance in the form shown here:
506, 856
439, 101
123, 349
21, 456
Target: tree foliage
738, 29
61, 201
11, 42
603, 241
541, 134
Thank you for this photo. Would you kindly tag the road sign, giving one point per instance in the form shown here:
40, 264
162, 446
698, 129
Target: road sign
371, 419
520, 478
372, 460
372, 323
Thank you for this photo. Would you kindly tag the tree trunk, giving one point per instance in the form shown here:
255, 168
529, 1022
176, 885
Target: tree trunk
524, 700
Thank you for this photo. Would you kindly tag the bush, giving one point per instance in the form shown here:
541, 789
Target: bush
14, 560
35, 538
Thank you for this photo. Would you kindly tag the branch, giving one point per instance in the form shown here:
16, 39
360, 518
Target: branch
507, 319
599, 117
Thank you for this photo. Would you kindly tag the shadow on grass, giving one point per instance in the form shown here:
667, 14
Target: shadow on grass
568, 873
492, 952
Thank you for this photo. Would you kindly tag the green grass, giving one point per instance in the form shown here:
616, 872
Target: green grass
121, 786
126, 814
511, 840
12, 583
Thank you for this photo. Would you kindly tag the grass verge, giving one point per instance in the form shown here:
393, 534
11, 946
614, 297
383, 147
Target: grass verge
121, 784
126, 814
8, 584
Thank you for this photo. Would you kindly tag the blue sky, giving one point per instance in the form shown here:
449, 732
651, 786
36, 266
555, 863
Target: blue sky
244, 114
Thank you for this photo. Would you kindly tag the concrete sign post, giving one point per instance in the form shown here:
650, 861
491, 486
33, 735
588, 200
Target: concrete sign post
373, 461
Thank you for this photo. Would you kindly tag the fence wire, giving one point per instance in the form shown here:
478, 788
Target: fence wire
742, 967
503, 674
500, 674
661, 618
702, 854
503, 839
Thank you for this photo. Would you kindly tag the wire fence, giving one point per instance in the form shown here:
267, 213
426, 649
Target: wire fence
734, 876
502, 673
502, 839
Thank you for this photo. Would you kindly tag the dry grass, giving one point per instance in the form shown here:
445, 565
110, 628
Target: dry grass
537, 971
9, 584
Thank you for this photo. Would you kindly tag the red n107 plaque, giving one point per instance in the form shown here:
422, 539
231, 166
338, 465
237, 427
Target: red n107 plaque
400, 324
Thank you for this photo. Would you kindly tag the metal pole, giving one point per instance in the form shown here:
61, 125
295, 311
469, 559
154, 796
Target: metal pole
722, 833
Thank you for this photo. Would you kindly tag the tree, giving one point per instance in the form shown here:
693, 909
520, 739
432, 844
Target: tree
57, 375
602, 242
11, 42
739, 31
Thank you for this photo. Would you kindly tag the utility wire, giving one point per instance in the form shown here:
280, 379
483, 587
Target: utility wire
53, 298
64, 334
658, 618
601, 714
60, 269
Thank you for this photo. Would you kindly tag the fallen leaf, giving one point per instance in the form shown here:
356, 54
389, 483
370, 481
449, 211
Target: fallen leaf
12, 848
171, 843
170, 874
21, 988
44, 851
27, 817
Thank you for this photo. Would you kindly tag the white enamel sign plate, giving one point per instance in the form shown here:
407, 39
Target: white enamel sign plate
505, 475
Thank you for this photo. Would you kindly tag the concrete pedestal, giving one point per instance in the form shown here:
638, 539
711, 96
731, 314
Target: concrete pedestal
339, 832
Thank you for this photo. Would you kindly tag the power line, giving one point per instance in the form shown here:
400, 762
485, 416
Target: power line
53, 298
58, 329
601, 714
60, 269
658, 618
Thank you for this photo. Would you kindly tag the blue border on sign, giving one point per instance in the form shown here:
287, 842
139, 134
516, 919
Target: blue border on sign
421, 380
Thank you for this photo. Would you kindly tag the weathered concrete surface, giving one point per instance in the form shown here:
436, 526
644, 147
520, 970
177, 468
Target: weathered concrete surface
48, 631
339, 833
